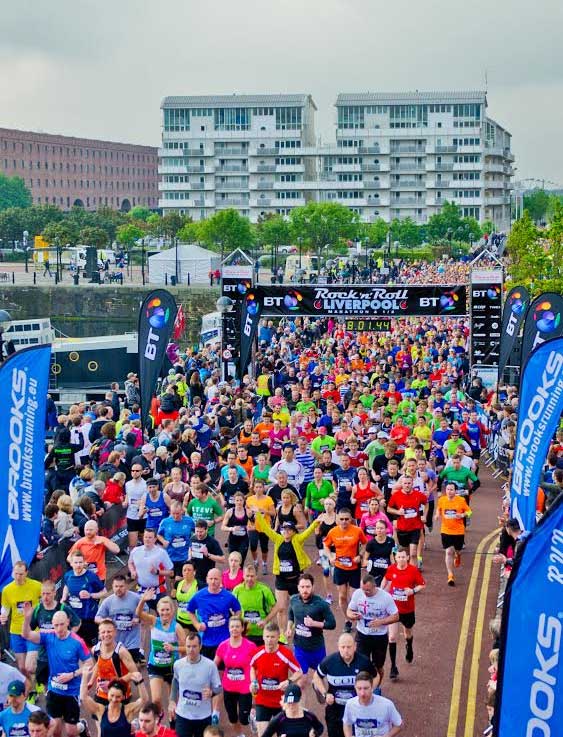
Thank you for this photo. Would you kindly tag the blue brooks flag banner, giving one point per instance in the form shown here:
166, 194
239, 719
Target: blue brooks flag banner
24, 379
530, 679
540, 408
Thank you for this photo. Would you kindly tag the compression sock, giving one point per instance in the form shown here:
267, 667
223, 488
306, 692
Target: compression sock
393, 653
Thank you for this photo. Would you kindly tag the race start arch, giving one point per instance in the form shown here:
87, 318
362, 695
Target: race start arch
343, 300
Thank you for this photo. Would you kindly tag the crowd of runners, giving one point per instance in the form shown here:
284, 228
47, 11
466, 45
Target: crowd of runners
341, 458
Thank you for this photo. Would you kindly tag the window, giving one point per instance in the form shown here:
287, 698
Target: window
409, 116
175, 120
232, 119
350, 116
288, 118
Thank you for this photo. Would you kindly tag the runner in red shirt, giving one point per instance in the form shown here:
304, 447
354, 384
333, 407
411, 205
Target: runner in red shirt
272, 668
403, 581
406, 503
149, 722
400, 433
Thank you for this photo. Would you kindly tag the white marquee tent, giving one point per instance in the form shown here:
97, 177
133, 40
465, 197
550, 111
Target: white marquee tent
193, 260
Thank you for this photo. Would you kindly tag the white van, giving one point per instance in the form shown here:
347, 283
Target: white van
299, 269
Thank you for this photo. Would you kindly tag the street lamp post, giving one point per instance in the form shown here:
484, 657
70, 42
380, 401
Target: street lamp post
224, 306
176, 259
143, 260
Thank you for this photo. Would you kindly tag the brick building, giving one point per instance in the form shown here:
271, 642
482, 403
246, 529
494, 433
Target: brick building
67, 171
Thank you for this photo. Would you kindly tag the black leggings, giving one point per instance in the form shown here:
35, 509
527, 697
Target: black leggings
256, 537
239, 545
237, 706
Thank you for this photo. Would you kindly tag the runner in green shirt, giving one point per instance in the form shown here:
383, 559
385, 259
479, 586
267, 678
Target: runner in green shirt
460, 476
317, 490
257, 603
322, 442
205, 507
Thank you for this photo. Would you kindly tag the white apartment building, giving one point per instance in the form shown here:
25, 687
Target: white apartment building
395, 155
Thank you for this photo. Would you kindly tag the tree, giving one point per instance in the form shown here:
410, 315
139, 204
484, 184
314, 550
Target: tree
61, 233
191, 232
527, 256
129, 234
448, 225
171, 224
323, 223
92, 236
275, 231
488, 227
227, 229
13, 192
409, 233
537, 203
139, 213
377, 232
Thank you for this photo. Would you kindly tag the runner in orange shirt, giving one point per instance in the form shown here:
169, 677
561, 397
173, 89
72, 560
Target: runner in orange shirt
342, 546
452, 509
93, 547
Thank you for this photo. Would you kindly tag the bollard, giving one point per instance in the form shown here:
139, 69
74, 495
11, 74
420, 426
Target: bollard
188, 278
75, 279
166, 279
35, 277
13, 277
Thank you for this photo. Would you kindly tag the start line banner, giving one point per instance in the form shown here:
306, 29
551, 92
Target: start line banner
359, 300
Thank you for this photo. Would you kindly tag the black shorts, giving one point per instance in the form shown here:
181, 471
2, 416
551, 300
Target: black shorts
256, 538
237, 706
208, 651
373, 647
191, 727
63, 707
407, 620
42, 672
287, 584
166, 673
136, 654
136, 525
410, 537
453, 541
333, 718
265, 713
351, 577
88, 630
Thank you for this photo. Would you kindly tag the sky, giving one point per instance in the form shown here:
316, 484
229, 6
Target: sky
100, 69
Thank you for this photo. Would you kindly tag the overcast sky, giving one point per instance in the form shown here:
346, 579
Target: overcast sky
100, 69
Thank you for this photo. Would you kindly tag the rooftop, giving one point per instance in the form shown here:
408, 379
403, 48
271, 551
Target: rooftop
413, 98
235, 100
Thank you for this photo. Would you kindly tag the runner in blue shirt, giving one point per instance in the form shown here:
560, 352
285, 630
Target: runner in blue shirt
174, 533
82, 589
13, 720
210, 609
66, 653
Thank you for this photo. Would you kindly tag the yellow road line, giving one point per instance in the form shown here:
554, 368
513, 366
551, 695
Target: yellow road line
477, 640
463, 637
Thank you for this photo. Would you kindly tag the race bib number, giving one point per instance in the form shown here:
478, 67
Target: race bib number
197, 550
75, 602
450, 514
370, 529
270, 684
161, 657
411, 512
178, 542
400, 595
380, 563
235, 674
367, 728
123, 622
303, 631
155, 512
239, 531
58, 685
192, 698
252, 616
286, 566
345, 561
216, 620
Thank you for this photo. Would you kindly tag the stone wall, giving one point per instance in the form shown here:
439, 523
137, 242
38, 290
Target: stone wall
85, 311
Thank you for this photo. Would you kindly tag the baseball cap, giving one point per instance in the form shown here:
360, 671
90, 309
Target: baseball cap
17, 688
372, 429
289, 526
292, 693
382, 434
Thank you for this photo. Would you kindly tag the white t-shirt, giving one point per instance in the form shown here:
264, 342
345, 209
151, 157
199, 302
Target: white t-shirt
144, 560
379, 606
373, 720
135, 490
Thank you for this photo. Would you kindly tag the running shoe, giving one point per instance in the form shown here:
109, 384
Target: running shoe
84, 731
457, 559
282, 638
419, 563
451, 580
329, 599
377, 691
264, 569
215, 718
40, 689
394, 673
347, 626
252, 722
32, 697
409, 654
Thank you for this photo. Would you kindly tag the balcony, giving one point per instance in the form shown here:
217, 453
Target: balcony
220, 186
366, 150
408, 184
266, 151
346, 168
495, 168
446, 149
438, 184
408, 202
200, 202
231, 169
444, 167
407, 150
371, 167
198, 185
408, 167
267, 185
231, 202
262, 202
201, 152
372, 185
229, 151
196, 169
490, 201
266, 168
